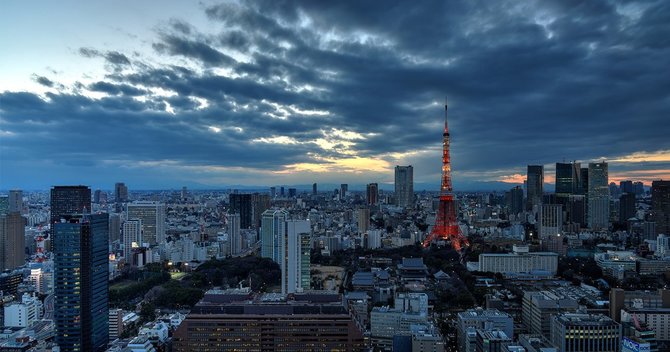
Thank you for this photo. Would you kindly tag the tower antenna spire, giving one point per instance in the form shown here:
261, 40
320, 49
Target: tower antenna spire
446, 223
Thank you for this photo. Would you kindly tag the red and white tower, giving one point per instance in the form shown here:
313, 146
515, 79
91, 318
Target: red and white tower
446, 224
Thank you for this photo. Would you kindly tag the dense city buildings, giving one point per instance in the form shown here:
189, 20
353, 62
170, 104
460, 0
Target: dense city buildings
539, 306
473, 320
243, 321
81, 287
344, 189
404, 186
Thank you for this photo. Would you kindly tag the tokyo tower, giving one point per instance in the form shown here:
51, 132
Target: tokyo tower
446, 224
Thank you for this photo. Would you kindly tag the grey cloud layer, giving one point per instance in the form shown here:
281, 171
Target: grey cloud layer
528, 82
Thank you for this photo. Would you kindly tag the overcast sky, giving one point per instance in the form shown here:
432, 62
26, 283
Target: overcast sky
161, 94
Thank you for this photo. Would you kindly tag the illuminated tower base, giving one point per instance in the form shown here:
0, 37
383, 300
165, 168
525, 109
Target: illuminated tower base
446, 224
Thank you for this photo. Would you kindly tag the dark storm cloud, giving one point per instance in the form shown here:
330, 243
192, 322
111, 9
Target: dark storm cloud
115, 89
112, 57
528, 82
174, 45
43, 81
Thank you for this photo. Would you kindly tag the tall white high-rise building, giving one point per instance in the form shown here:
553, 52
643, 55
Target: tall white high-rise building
272, 228
234, 233
598, 197
294, 249
404, 186
152, 215
132, 237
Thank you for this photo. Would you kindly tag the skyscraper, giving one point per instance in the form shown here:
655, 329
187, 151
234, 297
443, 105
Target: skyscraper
67, 200
96, 196
132, 237
551, 220
564, 179
363, 219
660, 205
598, 197
404, 186
626, 187
372, 194
344, 188
272, 229
535, 184
16, 201
241, 204
516, 200
314, 190
568, 181
152, 215
626, 206
12, 240
120, 192
4, 205
294, 256
114, 227
234, 234
81, 287
584, 181
259, 203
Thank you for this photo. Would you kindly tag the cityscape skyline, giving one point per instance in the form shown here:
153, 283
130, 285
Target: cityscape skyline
225, 94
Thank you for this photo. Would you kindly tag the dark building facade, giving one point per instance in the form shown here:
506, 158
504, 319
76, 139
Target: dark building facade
307, 322
372, 194
567, 178
120, 192
516, 200
660, 205
81, 272
241, 203
67, 200
626, 187
626, 207
12, 240
535, 185
259, 203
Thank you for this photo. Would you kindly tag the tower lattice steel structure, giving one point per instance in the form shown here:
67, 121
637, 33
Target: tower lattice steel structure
446, 224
